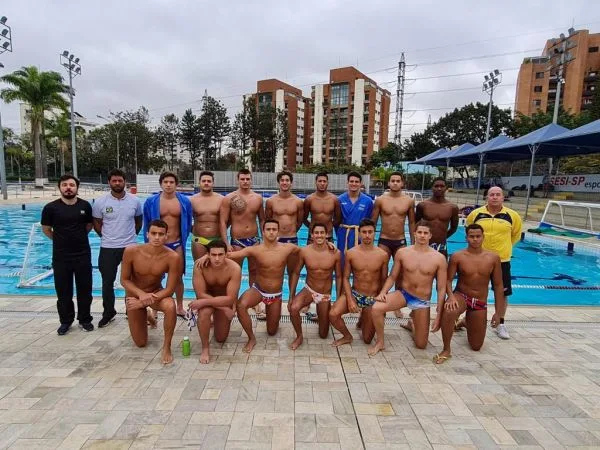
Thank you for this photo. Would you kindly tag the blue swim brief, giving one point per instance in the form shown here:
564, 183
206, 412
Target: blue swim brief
288, 240
174, 245
363, 301
244, 242
415, 302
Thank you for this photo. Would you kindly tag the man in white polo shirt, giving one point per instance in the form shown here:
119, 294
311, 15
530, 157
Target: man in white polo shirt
117, 220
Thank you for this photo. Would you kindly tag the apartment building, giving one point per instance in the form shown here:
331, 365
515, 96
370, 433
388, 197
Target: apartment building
537, 79
349, 118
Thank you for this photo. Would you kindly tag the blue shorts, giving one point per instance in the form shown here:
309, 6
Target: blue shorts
415, 302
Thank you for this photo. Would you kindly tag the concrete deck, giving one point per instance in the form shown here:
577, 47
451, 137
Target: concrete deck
97, 390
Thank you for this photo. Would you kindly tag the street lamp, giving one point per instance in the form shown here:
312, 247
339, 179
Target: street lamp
490, 82
71, 64
5, 46
118, 128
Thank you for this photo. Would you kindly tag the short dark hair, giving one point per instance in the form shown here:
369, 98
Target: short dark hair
116, 173
354, 173
283, 173
270, 221
158, 223
206, 173
68, 176
366, 223
473, 226
244, 171
322, 174
398, 174
315, 225
168, 174
423, 223
436, 179
218, 243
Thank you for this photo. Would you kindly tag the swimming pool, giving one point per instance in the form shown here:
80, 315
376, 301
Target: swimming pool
544, 272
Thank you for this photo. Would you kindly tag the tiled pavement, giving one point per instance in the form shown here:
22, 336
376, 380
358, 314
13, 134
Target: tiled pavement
96, 390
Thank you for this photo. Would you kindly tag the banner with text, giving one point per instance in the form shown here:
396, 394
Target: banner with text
561, 183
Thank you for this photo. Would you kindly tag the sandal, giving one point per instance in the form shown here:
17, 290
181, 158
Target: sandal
441, 359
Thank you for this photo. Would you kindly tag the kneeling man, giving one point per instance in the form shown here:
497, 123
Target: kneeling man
320, 260
369, 266
475, 266
271, 260
142, 271
216, 282
417, 266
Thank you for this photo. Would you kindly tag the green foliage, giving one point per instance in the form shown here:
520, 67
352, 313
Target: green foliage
189, 137
390, 154
167, 138
331, 168
594, 109
214, 127
525, 124
414, 181
243, 130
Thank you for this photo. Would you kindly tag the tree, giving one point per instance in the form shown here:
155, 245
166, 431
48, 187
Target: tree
189, 136
594, 109
214, 128
167, 137
243, 130
271, 134
390, 154
42, 91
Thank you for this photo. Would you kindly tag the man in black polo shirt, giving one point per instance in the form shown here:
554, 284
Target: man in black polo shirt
67, 222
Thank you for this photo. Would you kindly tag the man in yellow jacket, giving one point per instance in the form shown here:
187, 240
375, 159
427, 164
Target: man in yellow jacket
502, 230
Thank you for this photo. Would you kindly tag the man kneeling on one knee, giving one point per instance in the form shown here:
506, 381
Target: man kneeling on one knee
142, 271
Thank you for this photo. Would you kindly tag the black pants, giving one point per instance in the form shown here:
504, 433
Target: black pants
108, 263
64, 270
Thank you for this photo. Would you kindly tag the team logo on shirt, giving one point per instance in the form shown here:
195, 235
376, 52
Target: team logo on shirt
82, 212
109, 209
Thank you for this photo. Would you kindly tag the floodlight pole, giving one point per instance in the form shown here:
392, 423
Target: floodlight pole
5, 46
71, 64
489, 84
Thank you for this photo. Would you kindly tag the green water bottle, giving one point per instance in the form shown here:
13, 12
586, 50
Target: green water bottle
186, 347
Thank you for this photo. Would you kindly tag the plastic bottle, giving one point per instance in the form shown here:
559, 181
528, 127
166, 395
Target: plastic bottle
186, 347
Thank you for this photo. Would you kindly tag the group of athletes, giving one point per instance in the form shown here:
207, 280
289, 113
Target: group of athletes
266, 235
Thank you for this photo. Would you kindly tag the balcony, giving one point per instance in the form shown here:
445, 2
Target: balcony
591, 76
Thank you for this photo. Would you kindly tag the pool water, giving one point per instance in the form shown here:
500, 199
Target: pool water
544, 272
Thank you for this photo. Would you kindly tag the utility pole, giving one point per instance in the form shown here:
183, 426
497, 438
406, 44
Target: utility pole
71, 63
135, 156
5, 46
203, 112
399, 99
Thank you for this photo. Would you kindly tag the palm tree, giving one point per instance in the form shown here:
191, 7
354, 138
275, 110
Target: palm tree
59, 128
42, 91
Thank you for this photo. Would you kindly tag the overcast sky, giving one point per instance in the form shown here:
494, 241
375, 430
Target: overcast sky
164, 54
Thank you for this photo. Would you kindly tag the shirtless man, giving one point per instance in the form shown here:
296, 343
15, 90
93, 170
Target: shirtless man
206, 206
217, 285
242, 208
475, 266
323, 207
142, 271
394, 207
369, 266
176, 210
416, 267
271, 259
320, 261
441, 214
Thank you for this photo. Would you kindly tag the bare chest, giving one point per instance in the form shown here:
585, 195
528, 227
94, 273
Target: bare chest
170, 207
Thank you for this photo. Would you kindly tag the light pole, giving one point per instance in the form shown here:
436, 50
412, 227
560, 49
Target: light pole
118, 128
71, 63
489, 84
5, 46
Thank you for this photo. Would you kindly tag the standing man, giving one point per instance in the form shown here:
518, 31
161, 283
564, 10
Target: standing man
67, 222
272, 258
206, 205
144, 267
323, 207
394, 207
286, 208
355, 207
475, 266
117, 220
242, 208
416, 267
369, 266
217, 282
441, 214
320, 261
175, 209
502, 230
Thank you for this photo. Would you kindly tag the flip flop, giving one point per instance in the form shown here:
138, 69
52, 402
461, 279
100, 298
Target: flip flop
312, 317
457, 326
439, 359
261, 316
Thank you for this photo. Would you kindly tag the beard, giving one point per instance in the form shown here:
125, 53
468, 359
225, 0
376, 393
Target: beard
69, 195
117, 189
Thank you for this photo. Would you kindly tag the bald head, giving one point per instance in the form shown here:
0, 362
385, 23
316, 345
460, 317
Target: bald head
495, 197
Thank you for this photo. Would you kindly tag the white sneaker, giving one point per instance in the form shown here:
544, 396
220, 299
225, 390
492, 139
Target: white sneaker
502, 332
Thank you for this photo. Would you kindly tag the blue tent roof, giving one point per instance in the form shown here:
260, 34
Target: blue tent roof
520, 148
442, 159
586, 136
471, 156
425, 159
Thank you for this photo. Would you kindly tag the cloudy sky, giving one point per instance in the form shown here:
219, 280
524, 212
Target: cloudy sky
164, 53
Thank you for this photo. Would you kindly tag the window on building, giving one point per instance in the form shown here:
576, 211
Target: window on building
339, 94
539, 75
593, 49
537, 103
265, 98
366, 96
537, 89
